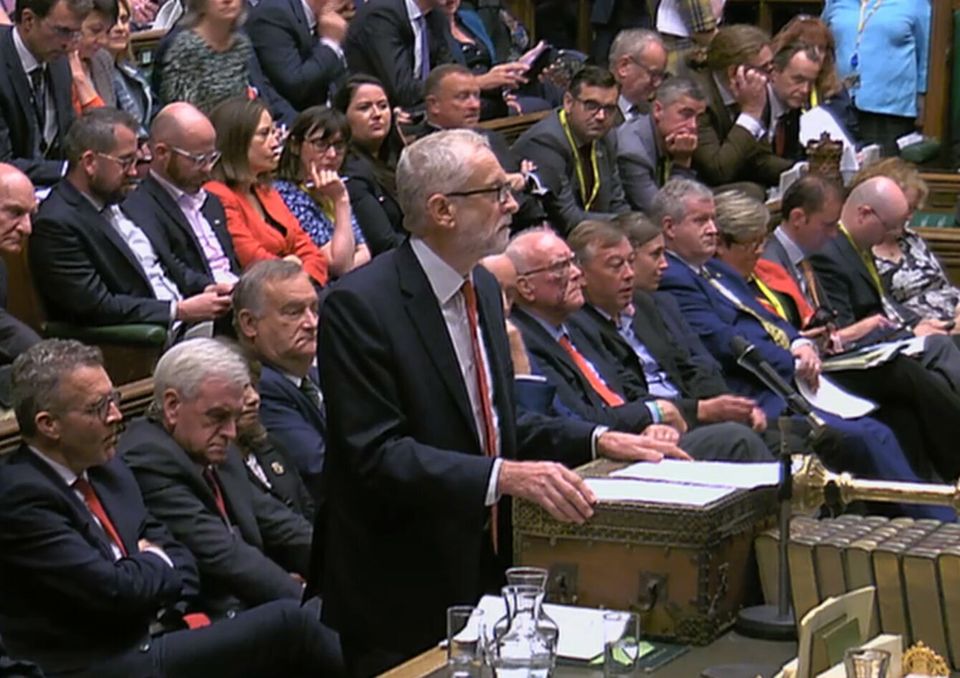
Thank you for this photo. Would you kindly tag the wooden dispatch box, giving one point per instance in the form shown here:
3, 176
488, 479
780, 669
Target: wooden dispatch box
686, 570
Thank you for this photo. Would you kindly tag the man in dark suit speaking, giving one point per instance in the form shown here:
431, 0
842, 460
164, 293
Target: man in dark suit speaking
423, 435
92, 585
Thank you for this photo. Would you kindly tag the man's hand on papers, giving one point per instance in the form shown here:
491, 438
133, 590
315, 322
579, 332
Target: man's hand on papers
808, 365
560, 491
620, 446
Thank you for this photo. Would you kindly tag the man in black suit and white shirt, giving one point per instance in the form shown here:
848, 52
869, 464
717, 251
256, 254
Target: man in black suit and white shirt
36, 86
170, 204
91, 263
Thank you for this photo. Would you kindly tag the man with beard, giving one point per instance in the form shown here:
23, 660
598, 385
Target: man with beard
170, 204
91, 263
424, 436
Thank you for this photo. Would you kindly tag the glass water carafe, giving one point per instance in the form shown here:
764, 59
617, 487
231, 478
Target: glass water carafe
520, 647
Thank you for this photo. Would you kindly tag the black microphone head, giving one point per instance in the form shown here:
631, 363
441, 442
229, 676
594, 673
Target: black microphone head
740, 346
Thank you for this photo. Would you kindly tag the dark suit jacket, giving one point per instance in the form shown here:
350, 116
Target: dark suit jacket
405, 474
301, 68
296, 423
573, 389
154, 210
286, 485
65, 603
774, 251
726, 152
546, 145
15, 336
380, 42
20, 134
639, 161
718, 321
86, 273
848, 284
243, 564
377, 211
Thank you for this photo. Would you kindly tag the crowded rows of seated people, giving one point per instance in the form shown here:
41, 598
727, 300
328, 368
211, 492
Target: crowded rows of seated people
357, 451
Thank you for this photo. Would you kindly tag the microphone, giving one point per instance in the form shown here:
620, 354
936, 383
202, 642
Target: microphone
750, 360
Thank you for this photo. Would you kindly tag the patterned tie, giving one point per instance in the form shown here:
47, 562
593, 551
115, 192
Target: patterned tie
486, 405
92, 501
37, 84
609, 396
210, 475
780, 136
424, 47
312, 391
811, 282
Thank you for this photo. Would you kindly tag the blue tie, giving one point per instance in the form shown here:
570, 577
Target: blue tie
424, 47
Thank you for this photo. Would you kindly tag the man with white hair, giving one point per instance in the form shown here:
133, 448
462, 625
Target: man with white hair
250, 548
638, 60
423, 432
17, 206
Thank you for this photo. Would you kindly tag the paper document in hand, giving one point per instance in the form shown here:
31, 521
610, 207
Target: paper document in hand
655, 492
713, 473
581, 628
833, 399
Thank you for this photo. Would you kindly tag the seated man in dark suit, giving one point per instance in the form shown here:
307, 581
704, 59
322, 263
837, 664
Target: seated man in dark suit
298, 46
85, 571
399, 41
91, 263
733, 142
170, 204
575, 152
275, 314
795, 70
588, 379
35, 92
719, 306
657, 146
17, 205
250, 548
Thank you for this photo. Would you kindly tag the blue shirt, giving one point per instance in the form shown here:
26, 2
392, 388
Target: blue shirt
894, 52
658, 381
313, 220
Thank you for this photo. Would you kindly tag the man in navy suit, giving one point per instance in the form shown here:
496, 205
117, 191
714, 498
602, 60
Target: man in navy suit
92, 585
298, 45
92, 264
718, 304
275, 314
424, 435
35, 86
170, 203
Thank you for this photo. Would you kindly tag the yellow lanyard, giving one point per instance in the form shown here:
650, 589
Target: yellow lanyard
771, 297
578, 162
867, 260
861, 25
814, 97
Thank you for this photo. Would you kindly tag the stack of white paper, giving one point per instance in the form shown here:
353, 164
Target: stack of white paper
630, 489
717, 474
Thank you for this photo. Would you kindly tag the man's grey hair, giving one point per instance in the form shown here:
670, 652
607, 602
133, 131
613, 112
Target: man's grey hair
437, 163
248, 292
520, 251
740, 218
631, 42
671, 200
674, 89
186, 366
37, 373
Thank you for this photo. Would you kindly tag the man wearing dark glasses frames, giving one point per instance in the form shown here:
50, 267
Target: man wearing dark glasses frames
638, 60
35, 92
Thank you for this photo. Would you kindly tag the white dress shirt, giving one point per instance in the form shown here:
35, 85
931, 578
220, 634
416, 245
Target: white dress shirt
414, 12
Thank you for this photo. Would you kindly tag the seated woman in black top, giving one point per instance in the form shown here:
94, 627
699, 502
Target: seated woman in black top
472, 45
371, 162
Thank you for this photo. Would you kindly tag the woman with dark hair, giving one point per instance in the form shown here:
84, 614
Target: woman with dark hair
132, 89
259, 222
371, 161
313, 191
828, 91
206, 60
90, 64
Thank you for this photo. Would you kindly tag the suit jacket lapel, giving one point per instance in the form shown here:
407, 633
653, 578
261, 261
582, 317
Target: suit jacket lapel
21, 84
172, 209
424, 311
856, 263
232, 480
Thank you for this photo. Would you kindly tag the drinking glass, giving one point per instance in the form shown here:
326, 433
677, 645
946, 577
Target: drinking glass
621, 643
465, 641
862, 663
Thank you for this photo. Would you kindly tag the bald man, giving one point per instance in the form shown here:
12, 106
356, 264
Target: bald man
17, 205
846, 271
171, 205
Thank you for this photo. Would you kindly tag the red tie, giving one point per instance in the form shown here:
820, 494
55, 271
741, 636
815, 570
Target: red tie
490, 433
210, 475
610, 397
780, 137
92, 501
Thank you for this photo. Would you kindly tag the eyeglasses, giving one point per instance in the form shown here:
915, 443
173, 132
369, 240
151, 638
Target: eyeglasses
64, 32
321, 146
202, 159
656, 76
503, 191
126, 164
556, 268
102, 407
593, 107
